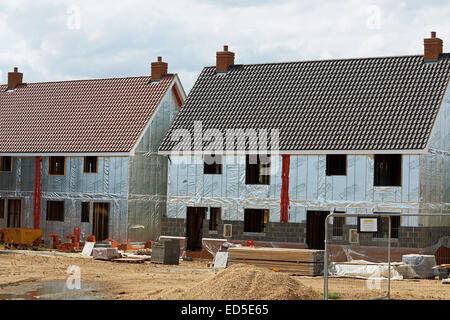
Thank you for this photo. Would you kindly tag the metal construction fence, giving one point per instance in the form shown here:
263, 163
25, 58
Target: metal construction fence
387, 255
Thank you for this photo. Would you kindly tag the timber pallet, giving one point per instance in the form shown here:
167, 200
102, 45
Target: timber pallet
294, 261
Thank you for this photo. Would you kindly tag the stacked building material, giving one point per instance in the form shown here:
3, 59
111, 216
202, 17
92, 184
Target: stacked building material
294, 261
105, 253
166, 252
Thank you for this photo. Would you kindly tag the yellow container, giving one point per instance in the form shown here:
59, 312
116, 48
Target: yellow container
21, 235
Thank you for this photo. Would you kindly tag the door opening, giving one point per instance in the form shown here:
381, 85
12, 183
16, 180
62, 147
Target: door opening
194, 226
14, 213
101, 220
315, 229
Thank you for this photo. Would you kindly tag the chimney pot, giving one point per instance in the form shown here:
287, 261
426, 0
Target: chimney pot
14, 78
432, 48
224, 59
159, 69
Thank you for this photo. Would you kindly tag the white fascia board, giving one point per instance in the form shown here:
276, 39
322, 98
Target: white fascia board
180, 87
65, 154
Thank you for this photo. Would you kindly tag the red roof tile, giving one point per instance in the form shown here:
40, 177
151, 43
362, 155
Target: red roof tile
102, 115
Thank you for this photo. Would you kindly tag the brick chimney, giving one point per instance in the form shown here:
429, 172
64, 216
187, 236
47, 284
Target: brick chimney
159, 69
432, 48
224, 59
14, 78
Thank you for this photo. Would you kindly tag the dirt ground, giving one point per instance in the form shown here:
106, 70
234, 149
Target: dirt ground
150, 281
362, 289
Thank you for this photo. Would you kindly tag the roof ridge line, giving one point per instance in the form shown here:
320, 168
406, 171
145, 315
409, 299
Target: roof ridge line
335, 59
92, 79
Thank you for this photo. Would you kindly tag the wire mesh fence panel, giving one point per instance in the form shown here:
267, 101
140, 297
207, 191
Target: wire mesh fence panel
422, 252
356, 260
380, 255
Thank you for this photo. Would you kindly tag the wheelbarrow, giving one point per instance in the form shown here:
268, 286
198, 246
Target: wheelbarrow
21, 237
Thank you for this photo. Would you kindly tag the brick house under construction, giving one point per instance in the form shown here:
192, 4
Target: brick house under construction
355, 135
84, 154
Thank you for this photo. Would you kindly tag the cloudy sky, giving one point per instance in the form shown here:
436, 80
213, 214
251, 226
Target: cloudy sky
60, 40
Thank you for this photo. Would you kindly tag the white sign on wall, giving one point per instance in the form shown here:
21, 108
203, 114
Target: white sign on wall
368, 225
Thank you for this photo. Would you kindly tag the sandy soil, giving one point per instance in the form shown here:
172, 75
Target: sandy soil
247, 282
150, 281
115, 280
358, 289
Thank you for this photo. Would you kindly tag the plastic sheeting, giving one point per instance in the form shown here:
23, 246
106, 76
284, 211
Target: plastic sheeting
309, 188
147, 193
425, 184
422, 265
367, 270
436, 167
134, 187
109, 185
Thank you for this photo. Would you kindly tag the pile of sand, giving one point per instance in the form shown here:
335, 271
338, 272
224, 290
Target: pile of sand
246, 282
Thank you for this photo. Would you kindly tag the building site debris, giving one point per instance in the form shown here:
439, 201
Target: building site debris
443, 271
66, 247
87, 249
21, 237
55, 240
144, 252
77, 236
417, 267
365, 269
166, 251
221, 260
103, 244
422, 265
113, 242
136, 245
129, 260
73, 239
105, 253
294, 261
124, 247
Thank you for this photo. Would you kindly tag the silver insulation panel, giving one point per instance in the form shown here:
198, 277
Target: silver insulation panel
134, 186
425, 184
309, 188
109, 184
148, 176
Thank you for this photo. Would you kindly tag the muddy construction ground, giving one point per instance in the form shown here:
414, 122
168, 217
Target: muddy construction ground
192, 280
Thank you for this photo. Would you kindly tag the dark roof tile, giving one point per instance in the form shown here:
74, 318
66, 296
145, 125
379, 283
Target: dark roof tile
382, 103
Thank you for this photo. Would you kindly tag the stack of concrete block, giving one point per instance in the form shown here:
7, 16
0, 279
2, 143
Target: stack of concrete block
166, 251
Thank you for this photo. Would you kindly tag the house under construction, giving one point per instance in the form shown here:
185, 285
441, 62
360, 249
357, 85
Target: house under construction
84, 154
359, 136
